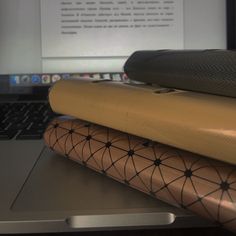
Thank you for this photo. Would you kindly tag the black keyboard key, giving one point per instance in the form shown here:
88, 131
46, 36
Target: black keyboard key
17, 126
46, 120
6, 135
3, 110
34, 119
34, 107
30, 134
4, 126
38, 126
15, 119
2, 118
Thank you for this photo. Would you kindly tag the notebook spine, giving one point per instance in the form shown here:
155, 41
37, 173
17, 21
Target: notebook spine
195, 122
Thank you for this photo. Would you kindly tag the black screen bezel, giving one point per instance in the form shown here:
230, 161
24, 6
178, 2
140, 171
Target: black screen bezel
231, 24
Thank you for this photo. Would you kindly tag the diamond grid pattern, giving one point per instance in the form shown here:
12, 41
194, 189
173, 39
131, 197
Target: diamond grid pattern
183, 179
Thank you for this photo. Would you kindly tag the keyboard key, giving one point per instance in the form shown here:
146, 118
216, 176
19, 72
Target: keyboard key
6, 135
4, 126
30, 134
14, 119
38, 126
34, 119
17, 126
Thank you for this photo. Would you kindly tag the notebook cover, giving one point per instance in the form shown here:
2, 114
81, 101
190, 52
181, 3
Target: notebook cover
208, 71
199, 123
202, 185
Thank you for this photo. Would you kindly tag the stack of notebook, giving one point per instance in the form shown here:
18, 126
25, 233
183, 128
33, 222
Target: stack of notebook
176, 142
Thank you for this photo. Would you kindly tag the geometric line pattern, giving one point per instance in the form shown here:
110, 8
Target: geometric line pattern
202, 185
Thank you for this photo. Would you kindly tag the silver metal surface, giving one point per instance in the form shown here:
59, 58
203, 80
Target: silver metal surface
17, 158
43, 192
122, 220
59, 184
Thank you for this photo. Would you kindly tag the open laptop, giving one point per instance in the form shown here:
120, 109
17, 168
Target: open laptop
42, 41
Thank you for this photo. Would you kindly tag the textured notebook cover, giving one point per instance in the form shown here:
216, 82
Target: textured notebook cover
208, 71
199, 123
202, 185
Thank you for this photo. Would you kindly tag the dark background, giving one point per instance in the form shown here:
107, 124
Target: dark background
231, 24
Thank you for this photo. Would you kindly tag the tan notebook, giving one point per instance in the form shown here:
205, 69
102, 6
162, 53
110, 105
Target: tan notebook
202, 185
200, 123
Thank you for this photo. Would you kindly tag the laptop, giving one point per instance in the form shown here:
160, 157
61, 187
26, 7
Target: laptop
43, 41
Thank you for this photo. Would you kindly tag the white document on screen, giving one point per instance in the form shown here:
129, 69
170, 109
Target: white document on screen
109, 28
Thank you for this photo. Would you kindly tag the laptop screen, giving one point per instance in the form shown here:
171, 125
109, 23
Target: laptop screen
42, 41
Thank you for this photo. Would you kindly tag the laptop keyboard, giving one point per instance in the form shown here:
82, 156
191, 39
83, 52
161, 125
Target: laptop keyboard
25, 120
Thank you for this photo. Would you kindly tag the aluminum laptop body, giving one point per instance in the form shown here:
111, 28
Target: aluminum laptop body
41, 191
